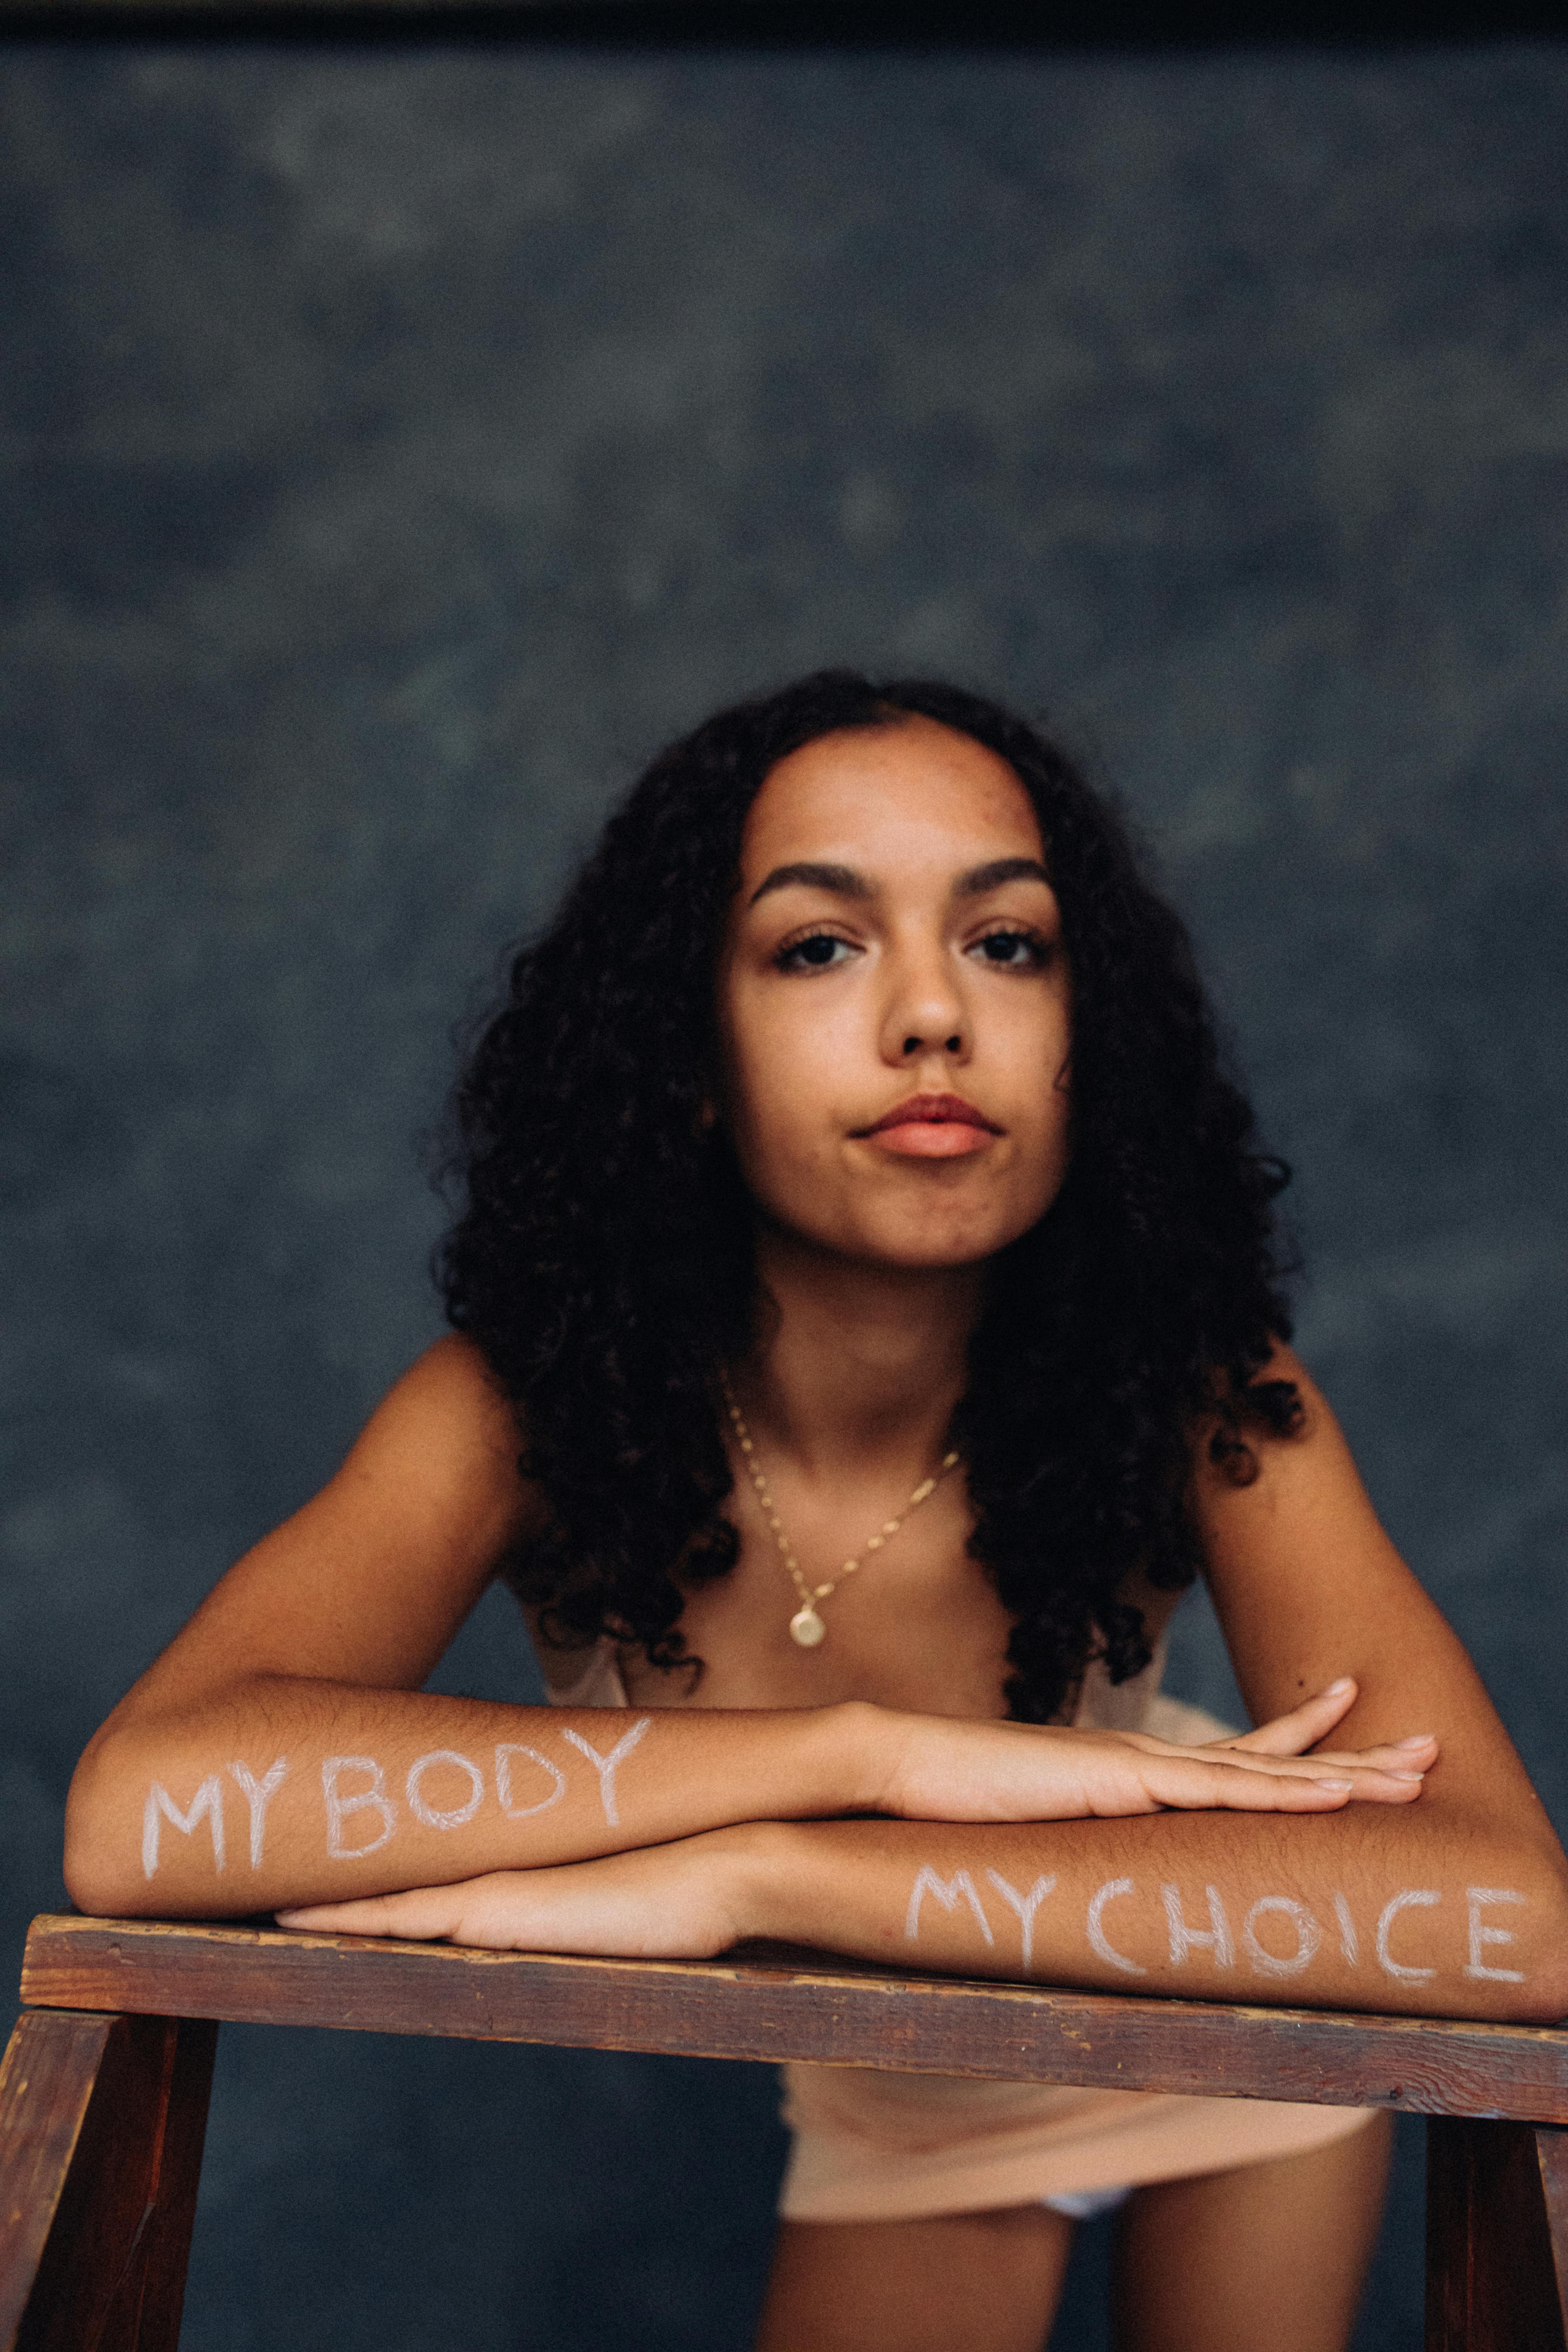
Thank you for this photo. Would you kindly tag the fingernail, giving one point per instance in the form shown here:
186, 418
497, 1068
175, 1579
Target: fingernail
1406, 1776
1332, 1784
1416, 1739
1336, 1690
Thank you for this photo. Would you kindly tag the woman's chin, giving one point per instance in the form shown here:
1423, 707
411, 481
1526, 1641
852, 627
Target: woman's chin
930, 1244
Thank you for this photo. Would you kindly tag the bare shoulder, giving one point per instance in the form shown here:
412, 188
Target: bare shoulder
1311, 1461
368, 1582
448, 1402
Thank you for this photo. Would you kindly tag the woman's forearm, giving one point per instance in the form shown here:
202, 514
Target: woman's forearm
286, 1791
290, 1790
1412, 1911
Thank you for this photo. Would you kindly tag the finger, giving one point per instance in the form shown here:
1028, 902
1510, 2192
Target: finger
1240, 1784
1196, 1787
421, 1914
1229, 1756
1417, 1756
1190, 1786
1253, 1790
1379, 1782
1288, 1734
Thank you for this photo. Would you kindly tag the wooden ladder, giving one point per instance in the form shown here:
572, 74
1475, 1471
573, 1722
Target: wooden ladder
103, 2090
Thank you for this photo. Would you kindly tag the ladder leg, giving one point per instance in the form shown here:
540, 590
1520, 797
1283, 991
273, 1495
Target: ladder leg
101, 2119
145, 2316
1496, 2236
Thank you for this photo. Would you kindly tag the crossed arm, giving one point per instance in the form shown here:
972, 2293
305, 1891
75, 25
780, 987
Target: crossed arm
280, 1756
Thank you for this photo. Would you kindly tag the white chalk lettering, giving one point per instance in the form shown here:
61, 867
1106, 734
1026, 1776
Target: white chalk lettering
1348, 1944
431, 1815
1215, 1936
161, 1806
947, 1895
373, 1800
1308, 1936
605, 1765
1475, 1896
259, 1795
505, 1751
1026, 1906
1098, 1940
1412, 1898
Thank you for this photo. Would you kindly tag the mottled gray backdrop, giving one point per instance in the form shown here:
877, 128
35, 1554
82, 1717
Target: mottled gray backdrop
402, 443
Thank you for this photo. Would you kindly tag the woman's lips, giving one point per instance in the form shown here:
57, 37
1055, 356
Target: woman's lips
931, 1126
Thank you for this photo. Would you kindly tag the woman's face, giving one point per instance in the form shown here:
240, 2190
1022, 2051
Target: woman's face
893, 1000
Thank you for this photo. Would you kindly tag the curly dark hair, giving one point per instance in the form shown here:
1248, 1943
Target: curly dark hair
603, 1261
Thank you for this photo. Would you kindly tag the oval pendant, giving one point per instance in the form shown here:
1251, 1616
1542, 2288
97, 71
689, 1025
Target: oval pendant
808, 1627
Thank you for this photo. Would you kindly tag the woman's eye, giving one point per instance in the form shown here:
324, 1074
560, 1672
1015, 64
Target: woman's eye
1015, 951
814, 953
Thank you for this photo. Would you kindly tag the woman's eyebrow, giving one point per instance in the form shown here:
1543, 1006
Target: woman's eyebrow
842, 880
982, 878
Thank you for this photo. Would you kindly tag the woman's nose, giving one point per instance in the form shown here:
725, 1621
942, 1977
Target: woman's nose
925, 1014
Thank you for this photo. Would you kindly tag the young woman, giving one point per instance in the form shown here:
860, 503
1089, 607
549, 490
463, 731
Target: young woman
867, 1323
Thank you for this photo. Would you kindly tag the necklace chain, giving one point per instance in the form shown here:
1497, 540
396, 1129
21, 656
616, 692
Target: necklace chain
806, 1625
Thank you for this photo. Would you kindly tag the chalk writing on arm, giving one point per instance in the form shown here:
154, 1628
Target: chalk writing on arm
339, 1807
1350, 1947
947, 1892
1215, 1938
605, 1765
1296, 1920
1026, 1906
1475, 1966
1100, 1942
1309, 1937
161, 1807
505, 1751
353, 1785
431, 1815
259, 1795
1411, 1898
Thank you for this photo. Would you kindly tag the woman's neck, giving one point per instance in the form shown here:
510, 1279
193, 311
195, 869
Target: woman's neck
856, 1363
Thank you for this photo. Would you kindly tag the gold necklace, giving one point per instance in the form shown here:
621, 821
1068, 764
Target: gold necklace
806, 1625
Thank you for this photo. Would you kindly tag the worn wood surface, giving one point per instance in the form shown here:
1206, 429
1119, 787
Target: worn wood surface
779, 2005
100, 2132
176, 2167
1497, 2237
46, 2081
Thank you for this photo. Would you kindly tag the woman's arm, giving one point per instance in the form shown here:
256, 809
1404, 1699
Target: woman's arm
281, 1752
1457, 1906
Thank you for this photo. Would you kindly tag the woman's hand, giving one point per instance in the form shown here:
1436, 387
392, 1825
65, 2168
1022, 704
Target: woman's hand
964, 1771
682, 1900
